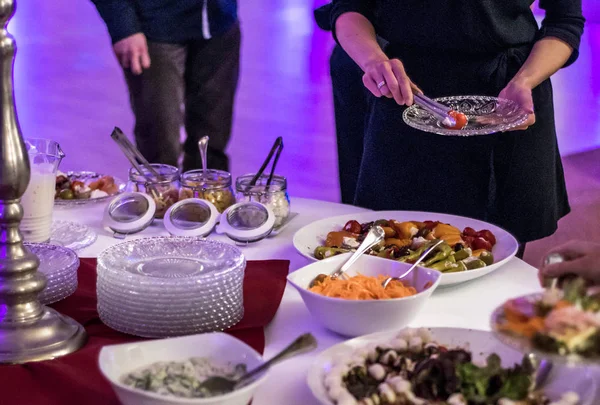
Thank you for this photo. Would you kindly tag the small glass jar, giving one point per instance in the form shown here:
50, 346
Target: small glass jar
274, 196
213, 186
164, 192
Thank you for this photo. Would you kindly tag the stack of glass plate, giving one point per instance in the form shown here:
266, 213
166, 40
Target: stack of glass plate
59, 265
170, 286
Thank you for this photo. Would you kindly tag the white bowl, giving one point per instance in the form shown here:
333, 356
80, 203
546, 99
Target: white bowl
117, 360
353, 317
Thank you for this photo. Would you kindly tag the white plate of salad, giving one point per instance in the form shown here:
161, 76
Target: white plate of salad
441, 366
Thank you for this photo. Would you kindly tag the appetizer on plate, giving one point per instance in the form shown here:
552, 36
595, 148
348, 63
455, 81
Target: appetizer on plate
182, 379
412, 369
84, 186
406, 241
563, 322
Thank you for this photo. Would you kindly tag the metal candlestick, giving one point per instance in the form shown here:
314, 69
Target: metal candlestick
28, 330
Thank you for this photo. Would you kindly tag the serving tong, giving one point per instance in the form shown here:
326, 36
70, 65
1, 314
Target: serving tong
276, 149
438, 110
132, 154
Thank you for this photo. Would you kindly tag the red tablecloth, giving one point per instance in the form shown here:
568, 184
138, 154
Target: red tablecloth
76, 379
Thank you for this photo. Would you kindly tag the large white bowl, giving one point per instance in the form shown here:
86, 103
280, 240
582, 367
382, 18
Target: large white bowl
313, 235
117, 360
353, 317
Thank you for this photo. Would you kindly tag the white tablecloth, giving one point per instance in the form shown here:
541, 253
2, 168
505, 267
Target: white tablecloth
467, 305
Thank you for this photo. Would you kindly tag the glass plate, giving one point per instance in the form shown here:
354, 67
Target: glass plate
59, 265
87, 177
71, 235
487, 115
524, 345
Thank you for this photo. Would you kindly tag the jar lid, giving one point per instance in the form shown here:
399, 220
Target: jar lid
129, 213
247, 222
191, 217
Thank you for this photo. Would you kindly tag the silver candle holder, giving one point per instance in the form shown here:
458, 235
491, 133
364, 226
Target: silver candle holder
29, 331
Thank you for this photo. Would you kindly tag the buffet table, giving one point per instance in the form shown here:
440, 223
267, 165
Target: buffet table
467, 305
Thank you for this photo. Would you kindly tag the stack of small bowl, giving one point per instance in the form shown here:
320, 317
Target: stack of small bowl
170, 286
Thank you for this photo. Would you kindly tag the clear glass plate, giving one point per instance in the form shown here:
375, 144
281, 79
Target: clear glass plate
88, 177
72, 235
524, 345
487, 115
59, 265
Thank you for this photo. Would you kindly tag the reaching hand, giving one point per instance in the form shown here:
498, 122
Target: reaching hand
520, 94
132, 53
581, 259
387, 77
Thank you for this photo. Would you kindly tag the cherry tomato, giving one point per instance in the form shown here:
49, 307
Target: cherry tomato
487, 235
480, 243
470, 232
460, 118
468, 241
353, 227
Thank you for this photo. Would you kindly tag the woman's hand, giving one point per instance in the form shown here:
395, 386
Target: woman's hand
520, 93
581, 259
387, 77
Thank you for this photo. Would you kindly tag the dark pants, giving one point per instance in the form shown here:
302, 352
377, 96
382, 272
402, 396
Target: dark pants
350, 100
202, 77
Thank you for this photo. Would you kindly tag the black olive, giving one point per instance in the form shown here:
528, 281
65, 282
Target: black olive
403, 251
366, 227
458, 246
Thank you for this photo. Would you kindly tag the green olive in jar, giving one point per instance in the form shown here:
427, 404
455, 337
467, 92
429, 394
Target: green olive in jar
221, 199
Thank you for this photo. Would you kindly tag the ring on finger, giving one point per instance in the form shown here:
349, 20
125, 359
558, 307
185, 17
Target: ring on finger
380, 84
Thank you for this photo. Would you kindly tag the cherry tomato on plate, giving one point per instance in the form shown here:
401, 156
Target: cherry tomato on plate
470, 232
480, 243
460, 118
487, 235
353, 227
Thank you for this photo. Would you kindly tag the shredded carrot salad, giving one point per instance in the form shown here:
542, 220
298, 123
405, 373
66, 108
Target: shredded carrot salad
362, 287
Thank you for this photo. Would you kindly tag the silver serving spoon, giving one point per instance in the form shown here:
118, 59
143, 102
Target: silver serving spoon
414, 266
542, 369
375, 235
222, 385
203, 147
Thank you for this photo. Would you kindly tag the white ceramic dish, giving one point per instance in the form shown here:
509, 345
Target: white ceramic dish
480, 343
355, 318
307, 239
117, 360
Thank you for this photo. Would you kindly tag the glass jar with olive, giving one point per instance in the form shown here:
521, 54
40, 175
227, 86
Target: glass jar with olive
274, 196
210, 185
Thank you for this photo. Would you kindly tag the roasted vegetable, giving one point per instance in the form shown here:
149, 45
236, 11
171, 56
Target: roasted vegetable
323, 252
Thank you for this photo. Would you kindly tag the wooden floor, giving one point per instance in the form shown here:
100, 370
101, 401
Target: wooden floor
69, 88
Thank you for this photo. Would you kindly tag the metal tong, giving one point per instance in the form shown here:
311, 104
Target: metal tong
438, 110
277, 146
134, 156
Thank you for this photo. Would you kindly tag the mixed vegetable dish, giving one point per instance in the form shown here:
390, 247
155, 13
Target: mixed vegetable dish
412, 369
563, 321
407, 241
82, 186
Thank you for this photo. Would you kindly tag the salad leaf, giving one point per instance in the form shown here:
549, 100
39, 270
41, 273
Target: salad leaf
483, 385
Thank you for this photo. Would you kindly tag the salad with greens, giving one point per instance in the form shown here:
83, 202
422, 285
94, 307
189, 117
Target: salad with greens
414, 370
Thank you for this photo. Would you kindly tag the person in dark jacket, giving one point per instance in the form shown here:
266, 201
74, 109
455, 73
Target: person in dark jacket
464, 47
178, 53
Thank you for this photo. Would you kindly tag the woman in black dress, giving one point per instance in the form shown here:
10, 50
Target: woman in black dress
459, 47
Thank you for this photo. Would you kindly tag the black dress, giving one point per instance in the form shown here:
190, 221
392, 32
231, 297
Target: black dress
458, 47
